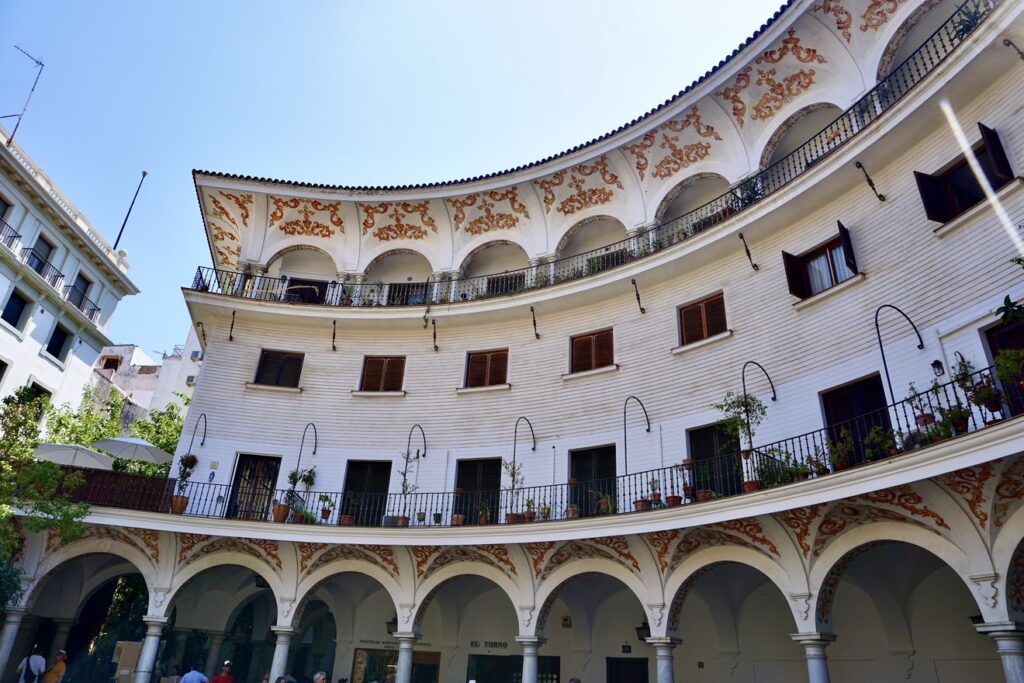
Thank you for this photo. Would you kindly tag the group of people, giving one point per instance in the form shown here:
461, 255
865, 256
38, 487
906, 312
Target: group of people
318, 677
33, 669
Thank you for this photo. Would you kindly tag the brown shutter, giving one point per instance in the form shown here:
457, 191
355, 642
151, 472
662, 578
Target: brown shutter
714, 315
582, 352
796, 275
476, 370
373, 374
604, 349
998, 162
498, 371
291, 370
844, 239
692, 323
933, 196
394, 372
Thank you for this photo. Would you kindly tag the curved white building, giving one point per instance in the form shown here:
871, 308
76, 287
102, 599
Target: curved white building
826, 217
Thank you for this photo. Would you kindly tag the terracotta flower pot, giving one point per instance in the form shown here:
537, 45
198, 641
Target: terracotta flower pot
346, 520
458, 520
960, 425
673, 501
745, 454
892, 451
924, 419
705, 494
459, 490
993, 406
641, 504
529, 516
178, 504
655, 497
280, 512
483, 520
402, 521
572, 512
687, 463
602, 506
512, 518
297, 518
688, 491
325, 513
751, 486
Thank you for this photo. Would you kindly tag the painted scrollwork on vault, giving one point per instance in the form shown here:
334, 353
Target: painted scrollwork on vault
306, 217
878, 13
193, 546
672, 547
791, 46
475, 213
676, 156
227, 215
1009, 492
970, 485
780, 93
581, 178
312, 556
843, 16
145, 540
432, 558
544, 561
801, 522
400, 214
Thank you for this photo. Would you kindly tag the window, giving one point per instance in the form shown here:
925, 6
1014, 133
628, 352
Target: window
58, 344
949, 193
14, 310
487, 368
821, 268
4, 206
383, 373
79, 291
279, 368
702, 320
3, 365
111, 363
592, 350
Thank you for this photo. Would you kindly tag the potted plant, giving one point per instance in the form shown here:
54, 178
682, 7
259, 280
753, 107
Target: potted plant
421, 516
437, 518
605, 502
352, 502
878, 442
983, 393
572, 481
514, 470
186, 464
326, 506
572, 511
483, 514
688, 491
957, 417
921, 403
279, 511
641, 504
409, 461
545, 510
655, 494
840, 450
1010, 367
531, 513
292, 499
459, 490
706, 494
817, 462
742, 414
687, 464
673, 500
458, 519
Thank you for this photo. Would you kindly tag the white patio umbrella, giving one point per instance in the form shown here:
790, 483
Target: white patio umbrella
134, 449
74, 455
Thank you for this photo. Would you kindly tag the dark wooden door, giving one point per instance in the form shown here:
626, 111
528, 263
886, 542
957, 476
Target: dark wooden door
480, 481
252, 491
626, 669
594, 472
366, 491
716, 460
856, 408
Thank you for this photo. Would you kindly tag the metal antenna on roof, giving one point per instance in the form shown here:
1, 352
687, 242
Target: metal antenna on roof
27, 99
130, 207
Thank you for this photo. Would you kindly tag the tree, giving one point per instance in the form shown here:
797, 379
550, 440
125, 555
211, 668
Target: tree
162, 428
94, 419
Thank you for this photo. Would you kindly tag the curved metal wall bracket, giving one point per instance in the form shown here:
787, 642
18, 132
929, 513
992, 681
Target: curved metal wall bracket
302, 444
625, 441
881, 349
743, 383
408, 442
515, 439
202, 416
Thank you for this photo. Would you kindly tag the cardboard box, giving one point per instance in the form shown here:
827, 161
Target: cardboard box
126, 655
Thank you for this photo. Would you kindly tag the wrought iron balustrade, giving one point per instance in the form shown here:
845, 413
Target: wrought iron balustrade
865, 111
37, 262
9, 236
79, 300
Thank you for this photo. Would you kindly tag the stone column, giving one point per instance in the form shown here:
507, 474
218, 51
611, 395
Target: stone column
455, 276
12, 622
530, 646
213, 656
1009, 637
60, 636
663, 658
150, 646
531, 274
814, 645
357, 293
280, 661
405, 643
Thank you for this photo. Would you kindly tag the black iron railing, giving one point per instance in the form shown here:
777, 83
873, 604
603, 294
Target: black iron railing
931, 415
79, 300
9, 236
37, 262
750, 191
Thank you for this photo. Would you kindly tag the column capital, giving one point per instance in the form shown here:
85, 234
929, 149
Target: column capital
1007, 628
283, 630
154, 621
531, 640
406, 637
665, 641
813, 638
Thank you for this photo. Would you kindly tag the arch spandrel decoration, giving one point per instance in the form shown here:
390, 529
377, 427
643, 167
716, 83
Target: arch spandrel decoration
548, 556
430, 559
191, 547
228, 220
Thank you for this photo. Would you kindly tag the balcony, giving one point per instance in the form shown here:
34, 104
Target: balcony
869, 108
9, 236
940, 413
79, 300
37, 262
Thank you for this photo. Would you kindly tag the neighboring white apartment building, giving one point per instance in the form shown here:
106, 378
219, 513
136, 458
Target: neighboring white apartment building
60, 282
149, 384
800, 225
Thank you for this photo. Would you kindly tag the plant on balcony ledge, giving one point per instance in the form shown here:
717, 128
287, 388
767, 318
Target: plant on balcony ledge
514, 470
531, 513
921, 402
605, 502
186, 465
326, 506
1010, 367
743, 414
408, 487
293, 500
957, 417
879, 443
983, 393
818, 463
840, 450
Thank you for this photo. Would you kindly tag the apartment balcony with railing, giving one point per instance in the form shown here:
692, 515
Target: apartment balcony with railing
37, 261
79, 300
9, 236
969, 403
741, 196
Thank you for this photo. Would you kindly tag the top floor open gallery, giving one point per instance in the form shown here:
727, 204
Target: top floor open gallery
730, 393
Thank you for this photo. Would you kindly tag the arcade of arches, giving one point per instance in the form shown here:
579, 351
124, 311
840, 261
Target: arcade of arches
805, 594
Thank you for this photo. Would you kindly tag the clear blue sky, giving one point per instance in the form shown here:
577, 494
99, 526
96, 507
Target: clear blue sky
372, 92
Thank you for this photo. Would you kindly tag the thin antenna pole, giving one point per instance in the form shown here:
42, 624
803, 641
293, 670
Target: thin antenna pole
130, 207
27, 99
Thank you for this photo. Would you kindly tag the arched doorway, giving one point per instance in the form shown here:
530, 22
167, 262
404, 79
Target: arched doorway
305, 273
397, 278
495, 268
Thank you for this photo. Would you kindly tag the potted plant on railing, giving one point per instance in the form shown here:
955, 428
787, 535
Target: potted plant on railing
878, 443
605, 502
514, 470
437, 518
531, 510
186, 464
1010, 367
743, 414
572, 511
326, 506
483, 514
352, 502
921, 403
958, 417
840, 450
292, 499
818, 463
983, 393
655, 494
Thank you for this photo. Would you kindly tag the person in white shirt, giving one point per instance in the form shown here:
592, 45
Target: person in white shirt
32, 667
194, 676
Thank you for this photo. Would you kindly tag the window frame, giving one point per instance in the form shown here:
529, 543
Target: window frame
23, 318
65, 346
382, 387
487, 371
683, 342
593, 350
284, 355
797, 266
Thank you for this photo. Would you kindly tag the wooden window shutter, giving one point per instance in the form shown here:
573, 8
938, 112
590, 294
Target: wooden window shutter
291, 370
476, 370
604, 349
498, 371
692, 324
998, 162
714, 315
796, 275
844, 239
373, 374
582, 353
394, 373
933, 196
